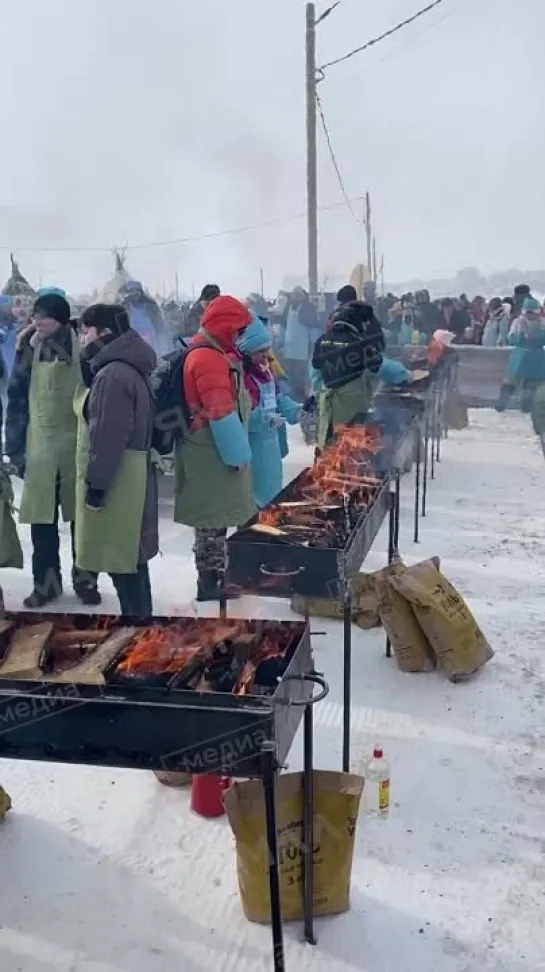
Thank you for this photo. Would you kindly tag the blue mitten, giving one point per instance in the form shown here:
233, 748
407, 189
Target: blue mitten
231, 440
393, 372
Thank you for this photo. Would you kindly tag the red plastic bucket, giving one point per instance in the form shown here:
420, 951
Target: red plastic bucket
207, 795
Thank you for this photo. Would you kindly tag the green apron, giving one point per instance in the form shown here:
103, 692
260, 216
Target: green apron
11, 554
338, 406
51, 439
206, 492
108, 540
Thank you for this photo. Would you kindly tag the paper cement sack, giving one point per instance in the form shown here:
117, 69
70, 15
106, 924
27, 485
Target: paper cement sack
364, 603
411, 647
445, 618
5, 803
336, 805
456, 414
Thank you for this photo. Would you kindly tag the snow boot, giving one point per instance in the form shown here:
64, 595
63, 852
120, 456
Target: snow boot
39, 598
504, 398
85, 588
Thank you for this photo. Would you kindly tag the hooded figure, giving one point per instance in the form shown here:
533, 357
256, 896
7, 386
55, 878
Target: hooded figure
271, 409
145, 317
526, 366
41, 433
301, 321
213, 483
496, 328
116, 494
347, 357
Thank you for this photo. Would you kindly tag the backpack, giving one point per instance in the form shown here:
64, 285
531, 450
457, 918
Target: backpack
172, 413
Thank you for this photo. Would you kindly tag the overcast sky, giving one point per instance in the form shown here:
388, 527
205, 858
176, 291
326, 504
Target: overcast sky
131, 121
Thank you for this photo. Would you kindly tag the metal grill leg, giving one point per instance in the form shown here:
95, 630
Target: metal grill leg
392, 528
425, 471
392, 547
268, 763
397, 501
417, 483
440, 416
223, 584
308, 827
347, 676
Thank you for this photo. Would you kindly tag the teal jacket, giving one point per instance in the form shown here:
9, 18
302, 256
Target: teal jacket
527, 359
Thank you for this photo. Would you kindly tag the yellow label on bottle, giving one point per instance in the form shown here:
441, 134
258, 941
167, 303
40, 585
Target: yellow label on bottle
384, 795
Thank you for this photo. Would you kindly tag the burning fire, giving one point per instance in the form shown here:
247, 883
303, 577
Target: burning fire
163, 651
167, 651
342, 468
348, 458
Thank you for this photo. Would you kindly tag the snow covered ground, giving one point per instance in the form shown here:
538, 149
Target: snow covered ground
107, 871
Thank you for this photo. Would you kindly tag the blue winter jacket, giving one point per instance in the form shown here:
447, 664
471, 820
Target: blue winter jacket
268, 440
527, 359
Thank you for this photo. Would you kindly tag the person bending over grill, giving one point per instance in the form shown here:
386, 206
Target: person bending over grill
117, 528
347, 359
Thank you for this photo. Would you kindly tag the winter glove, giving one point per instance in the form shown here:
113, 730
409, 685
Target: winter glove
6, 490
162, 464
95, 499
231, 440
309, 405
16, 467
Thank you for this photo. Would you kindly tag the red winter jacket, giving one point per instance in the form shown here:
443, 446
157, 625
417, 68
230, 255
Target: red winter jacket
208, 383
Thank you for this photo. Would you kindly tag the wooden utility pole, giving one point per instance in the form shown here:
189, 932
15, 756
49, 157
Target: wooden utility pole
374, 260
262, 281
368, 231
312, 166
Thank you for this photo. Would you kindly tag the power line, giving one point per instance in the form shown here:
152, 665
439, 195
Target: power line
381, 37
432, 25
347, 200
327, 12
280, 221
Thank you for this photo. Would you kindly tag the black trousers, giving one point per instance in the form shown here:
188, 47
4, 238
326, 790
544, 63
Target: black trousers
46, 561
134, 593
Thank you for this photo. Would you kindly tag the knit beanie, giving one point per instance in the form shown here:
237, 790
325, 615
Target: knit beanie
255, 337
51, 290
532, 305
54, 306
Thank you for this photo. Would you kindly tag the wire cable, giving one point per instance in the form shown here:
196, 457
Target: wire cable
327, 12
347, 200
280, 221
381, 37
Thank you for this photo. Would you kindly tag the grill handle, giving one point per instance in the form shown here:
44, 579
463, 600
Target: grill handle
316, 680
263, 569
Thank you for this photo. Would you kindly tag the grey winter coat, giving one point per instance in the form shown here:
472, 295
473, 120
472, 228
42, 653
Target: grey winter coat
120, 414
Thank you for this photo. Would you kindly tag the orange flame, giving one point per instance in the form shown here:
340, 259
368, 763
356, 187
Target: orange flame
158, 651
167, 651
342, 467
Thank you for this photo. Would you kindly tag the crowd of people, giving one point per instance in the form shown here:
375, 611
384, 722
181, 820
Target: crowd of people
87, 397
412, 318
84, 400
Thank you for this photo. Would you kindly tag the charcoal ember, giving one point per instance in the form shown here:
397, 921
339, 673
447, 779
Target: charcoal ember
269, 672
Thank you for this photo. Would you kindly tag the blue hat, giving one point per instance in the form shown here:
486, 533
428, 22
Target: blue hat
58, 291
532, 305
255, 338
